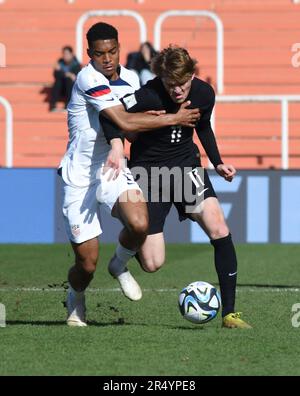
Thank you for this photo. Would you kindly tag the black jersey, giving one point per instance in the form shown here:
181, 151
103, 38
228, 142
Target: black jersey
161, 145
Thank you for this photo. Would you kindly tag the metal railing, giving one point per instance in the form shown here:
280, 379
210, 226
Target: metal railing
110, 13
220, 37
284, 100
8, 132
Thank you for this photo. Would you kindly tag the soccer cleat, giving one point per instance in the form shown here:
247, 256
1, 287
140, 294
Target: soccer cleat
234, 321
76, 310
129, 286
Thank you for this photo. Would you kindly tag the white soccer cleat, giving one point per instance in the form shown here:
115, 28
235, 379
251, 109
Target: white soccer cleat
76, 310
129, 286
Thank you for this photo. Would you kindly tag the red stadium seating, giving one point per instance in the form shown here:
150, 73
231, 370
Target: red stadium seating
258, 39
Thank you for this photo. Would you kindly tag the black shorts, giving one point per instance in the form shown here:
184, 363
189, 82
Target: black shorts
185, 188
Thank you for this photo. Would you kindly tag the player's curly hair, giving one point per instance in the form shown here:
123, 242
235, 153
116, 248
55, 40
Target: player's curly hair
174, 64
101, 31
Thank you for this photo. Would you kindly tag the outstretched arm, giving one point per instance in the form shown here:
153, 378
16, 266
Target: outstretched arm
115, 120
141, 122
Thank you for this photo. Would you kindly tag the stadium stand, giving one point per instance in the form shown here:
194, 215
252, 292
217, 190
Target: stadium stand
257, 49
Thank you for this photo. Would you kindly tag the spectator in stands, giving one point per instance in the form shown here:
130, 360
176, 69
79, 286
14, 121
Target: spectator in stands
65, 71
140, 62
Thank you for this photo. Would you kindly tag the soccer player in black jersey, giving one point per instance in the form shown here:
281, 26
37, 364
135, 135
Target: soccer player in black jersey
173, 147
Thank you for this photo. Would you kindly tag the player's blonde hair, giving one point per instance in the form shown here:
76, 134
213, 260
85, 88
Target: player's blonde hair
174, 64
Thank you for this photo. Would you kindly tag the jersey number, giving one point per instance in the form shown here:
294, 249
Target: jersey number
176, 133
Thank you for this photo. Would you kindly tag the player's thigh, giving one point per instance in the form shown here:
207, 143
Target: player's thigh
86, 254
131, 209
211, 218
120, 193
152, 252
81, 213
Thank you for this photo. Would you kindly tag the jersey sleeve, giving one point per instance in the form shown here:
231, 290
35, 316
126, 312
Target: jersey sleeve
97, 92
207, 108
111, 130
205, 132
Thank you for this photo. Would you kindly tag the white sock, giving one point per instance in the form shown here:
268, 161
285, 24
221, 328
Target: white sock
77, 295
124, 254
118, 264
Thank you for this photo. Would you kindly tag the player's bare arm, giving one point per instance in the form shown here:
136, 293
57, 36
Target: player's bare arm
132, 136
142, 122
115, 160
131, 123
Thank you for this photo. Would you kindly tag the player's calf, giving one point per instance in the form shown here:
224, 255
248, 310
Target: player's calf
80, 276
137, 229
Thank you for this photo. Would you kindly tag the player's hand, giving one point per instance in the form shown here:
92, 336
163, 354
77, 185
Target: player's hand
226, 171
187, 117
115, 162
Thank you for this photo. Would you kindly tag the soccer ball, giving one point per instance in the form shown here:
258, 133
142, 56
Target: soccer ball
199, 302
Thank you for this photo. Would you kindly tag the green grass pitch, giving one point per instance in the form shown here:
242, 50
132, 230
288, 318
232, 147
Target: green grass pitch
148, 337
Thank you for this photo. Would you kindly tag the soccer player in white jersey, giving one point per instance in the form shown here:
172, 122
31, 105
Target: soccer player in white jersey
86, 181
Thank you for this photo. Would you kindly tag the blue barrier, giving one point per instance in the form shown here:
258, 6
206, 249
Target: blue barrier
27, 205
260, 207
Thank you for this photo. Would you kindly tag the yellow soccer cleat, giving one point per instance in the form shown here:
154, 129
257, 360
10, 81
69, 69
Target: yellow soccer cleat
234, 321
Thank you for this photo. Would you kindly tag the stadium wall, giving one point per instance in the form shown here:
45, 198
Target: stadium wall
260, 207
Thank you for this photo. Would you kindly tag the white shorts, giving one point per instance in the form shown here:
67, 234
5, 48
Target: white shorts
81, 205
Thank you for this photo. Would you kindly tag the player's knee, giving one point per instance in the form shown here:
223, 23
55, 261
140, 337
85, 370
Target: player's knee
139, 225
88, 264
219, 231
153, 264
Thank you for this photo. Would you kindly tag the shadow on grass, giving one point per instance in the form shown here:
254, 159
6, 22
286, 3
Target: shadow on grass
101, 324
34, 323
63, 323
258, 286
268, 286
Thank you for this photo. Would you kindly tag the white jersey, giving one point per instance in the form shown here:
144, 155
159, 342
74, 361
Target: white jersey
87, 147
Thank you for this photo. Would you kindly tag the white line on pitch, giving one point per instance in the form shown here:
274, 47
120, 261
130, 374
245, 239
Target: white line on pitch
109, 290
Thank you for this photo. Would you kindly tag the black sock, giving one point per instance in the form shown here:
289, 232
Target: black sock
226, 267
